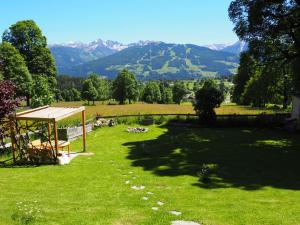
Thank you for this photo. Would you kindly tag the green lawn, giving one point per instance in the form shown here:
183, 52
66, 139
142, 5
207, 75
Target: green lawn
254, 179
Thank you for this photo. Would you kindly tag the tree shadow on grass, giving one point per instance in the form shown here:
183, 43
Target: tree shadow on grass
249, 159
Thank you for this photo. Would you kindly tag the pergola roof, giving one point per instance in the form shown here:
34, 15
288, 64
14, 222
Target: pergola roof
47, 113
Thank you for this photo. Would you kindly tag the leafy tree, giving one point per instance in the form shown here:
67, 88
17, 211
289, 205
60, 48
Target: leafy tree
125, 87
42, 93
13, 68
101, 85
27, 37
152, 93
179, 90
245, 71
267, 85
272, 30
71, 94
166, 93
89, 92
8, 100
207, 98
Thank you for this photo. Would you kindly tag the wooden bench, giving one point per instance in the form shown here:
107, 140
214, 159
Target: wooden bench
37, 144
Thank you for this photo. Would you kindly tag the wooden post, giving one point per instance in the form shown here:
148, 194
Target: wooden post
12, 137
55, 137
83, 131
49, 132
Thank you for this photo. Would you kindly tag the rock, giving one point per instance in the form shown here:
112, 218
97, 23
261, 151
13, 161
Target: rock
181, 222
176, 213
160, 203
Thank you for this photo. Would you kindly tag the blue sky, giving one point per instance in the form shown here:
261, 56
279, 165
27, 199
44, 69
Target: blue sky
173, 21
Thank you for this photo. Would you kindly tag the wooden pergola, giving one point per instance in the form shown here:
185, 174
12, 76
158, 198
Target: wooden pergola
51, 115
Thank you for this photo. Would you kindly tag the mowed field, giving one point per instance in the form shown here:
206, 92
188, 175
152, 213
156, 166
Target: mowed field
155, 178
143, 108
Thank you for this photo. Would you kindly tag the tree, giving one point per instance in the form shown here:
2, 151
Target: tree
13, 68
71, 94
179, 90
272, 30
207, 98
89, 92
42, 93
152, 93
245, 71
8, 100
125, 87
27, 37
101, 85
166, 93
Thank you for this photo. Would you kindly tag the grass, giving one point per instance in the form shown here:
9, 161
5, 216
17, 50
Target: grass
252, 178
142, 108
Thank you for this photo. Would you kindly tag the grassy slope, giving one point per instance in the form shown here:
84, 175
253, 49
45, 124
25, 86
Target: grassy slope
135, 109
255, 179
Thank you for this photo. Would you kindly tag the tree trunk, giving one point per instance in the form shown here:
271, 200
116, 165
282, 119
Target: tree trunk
285, 93
28, 101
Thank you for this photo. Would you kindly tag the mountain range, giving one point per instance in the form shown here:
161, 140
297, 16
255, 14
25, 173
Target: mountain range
148, 59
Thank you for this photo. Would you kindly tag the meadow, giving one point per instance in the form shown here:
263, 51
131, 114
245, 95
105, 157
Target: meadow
251, 177
105, 109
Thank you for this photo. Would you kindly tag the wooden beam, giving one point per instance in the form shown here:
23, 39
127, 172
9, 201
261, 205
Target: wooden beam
83, 131
49, 132
32, 110
55, 138
34, 118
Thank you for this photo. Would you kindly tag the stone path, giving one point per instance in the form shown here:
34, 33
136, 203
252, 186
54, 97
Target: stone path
148, 193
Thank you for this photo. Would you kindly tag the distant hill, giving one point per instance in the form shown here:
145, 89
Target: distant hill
73, 54
158, 60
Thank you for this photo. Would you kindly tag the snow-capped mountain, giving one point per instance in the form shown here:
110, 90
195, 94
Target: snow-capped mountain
235, 48
100, 44
84, 55
217, 47
68, 55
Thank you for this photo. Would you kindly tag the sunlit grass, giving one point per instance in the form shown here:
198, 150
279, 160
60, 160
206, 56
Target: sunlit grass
142, 108
248, 183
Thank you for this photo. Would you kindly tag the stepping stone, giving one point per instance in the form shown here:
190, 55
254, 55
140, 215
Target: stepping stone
176, 213
150, 193
138, 187
145, 198
160, 203
182, 222
127, 182
154, 208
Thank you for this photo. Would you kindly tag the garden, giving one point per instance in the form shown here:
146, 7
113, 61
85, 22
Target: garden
209, 176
